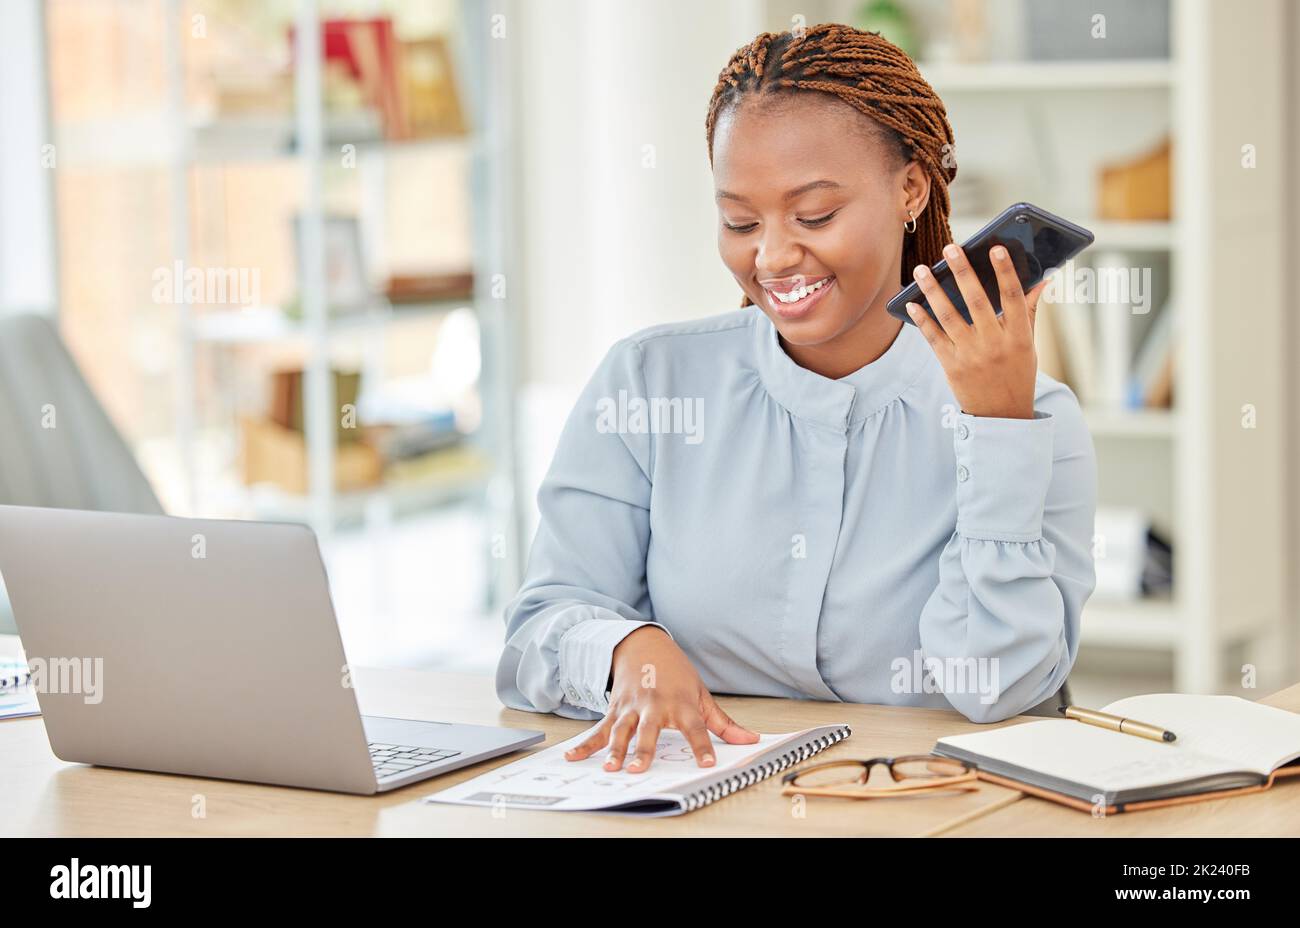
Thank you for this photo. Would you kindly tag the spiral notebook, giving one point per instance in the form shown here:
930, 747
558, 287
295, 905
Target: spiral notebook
672, 785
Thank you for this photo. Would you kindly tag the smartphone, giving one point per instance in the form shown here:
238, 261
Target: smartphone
1037, 241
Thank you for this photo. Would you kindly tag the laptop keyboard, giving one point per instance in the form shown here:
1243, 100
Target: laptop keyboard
392, 759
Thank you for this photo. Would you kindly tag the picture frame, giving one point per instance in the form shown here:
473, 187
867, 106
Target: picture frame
347, 288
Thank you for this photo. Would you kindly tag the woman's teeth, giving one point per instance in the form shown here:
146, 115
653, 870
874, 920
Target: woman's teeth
794, 296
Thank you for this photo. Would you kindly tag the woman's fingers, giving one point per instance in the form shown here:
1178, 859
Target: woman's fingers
954, 326
938, 339
624, 728
597, 740
982, 314
696, 734
1015, 311
647, 739
1031, 300
695, 718
724, 726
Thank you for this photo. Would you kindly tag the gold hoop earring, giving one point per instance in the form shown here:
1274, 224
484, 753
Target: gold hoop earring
912, 221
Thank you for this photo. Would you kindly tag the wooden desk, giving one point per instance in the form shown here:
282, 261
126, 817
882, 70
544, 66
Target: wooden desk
40, 795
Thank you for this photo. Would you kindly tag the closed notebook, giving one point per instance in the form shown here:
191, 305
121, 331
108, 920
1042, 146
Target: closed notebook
672, 784
1225, 744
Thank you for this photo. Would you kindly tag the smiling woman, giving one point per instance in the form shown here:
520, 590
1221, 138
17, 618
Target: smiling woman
839, 69
854, 198
862, 501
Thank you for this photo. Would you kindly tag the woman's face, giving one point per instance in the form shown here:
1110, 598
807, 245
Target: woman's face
808, 198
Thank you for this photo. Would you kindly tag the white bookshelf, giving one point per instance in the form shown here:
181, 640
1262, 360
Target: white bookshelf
270, 324
149, 139
1148, 624
181, 139
1222, 488
1048, 76
1111, 235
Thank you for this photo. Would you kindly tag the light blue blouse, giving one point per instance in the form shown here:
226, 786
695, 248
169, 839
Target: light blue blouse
859, 539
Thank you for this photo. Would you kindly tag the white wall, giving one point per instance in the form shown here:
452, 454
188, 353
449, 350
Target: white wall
610, 245
27, 254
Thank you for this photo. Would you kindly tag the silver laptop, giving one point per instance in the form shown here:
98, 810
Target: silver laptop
208, 648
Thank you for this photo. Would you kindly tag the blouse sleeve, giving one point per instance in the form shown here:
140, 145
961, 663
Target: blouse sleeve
585, 586
1004, 621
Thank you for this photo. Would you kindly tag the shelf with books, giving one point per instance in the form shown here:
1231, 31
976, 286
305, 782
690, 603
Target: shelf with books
1169, 383
397, 97
260, 138
400, 494
260, 325
406, 380
1122, 366
149, 139
454, 475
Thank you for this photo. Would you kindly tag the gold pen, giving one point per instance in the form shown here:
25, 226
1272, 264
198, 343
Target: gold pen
1116, 723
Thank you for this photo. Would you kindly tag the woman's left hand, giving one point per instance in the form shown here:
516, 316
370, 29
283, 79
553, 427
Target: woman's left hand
991, 365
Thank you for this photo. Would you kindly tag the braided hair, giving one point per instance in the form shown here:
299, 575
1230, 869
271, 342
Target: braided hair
875, 77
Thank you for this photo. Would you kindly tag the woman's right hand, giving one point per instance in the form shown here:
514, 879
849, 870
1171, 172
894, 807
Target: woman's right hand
656, 687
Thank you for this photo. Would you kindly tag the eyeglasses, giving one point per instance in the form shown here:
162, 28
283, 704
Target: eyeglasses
913, 775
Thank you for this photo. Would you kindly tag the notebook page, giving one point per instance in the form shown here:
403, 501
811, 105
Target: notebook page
1096, 757
545, 780
1256, 737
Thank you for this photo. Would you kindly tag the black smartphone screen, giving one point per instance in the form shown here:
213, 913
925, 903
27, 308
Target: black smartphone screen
1036, 240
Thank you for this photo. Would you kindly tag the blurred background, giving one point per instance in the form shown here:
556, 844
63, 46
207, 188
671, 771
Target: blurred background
349, 263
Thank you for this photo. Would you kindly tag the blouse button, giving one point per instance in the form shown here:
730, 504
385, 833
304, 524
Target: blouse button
962, 473
963, 432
